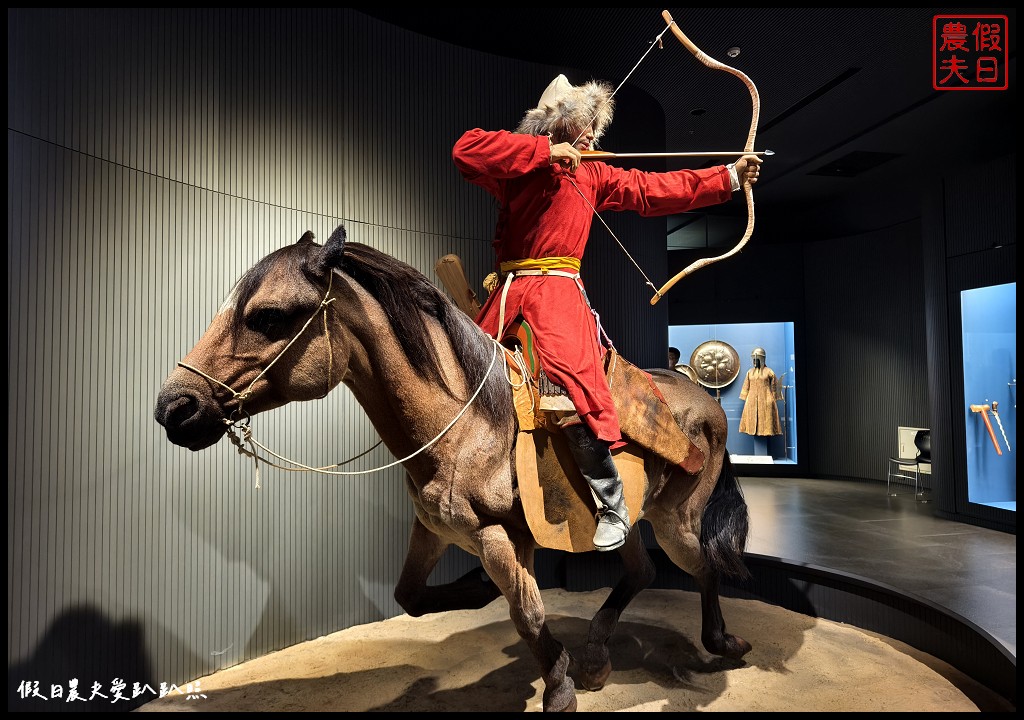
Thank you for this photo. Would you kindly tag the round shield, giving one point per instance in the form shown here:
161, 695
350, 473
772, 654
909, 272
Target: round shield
716, 363
687, 371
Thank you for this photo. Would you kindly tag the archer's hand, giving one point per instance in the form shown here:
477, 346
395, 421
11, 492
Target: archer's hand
747, 169
566, 156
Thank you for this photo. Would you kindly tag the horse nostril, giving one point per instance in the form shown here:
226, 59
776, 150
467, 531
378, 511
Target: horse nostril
179, 410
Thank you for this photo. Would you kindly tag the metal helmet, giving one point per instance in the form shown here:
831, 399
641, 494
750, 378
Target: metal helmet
758, 353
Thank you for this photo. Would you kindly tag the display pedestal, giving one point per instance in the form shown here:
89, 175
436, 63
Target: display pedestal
760, 445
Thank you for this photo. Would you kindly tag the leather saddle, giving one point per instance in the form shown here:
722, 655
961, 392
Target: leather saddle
559, 504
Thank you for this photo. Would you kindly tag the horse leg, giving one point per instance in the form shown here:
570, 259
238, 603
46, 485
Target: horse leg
511, 567
472, 591
594, 664
683, 546
713, 635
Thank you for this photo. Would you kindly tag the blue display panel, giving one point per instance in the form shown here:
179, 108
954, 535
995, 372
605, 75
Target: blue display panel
776, 339
990, 394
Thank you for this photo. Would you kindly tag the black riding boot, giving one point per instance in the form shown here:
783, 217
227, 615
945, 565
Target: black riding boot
598, 469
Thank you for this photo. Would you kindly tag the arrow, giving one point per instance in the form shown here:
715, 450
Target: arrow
602, 155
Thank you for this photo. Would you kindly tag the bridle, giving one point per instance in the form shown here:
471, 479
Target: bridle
240, 420
239, 415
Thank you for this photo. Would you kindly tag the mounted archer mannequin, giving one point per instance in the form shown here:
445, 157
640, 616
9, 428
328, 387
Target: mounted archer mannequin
547, 203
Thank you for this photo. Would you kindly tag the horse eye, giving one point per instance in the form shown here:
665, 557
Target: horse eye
268, 321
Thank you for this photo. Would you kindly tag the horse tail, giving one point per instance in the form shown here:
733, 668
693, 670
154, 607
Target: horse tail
724, 526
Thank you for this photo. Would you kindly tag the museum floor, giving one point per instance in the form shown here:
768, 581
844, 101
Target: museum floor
856, 528
475, 661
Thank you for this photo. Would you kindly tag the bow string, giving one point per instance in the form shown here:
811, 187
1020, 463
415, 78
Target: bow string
748, 148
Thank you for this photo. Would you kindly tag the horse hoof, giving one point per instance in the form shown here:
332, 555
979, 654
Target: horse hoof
595, 680
728, 646
739, 647
735, 647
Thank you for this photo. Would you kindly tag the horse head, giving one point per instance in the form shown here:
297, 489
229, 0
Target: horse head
267, 346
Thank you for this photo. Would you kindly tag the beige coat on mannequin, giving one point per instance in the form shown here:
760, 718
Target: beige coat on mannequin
761, 412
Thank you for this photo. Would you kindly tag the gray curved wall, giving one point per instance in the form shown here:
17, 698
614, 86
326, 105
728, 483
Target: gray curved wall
153, 157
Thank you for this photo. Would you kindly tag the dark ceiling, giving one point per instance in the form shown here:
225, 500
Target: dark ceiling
846, 96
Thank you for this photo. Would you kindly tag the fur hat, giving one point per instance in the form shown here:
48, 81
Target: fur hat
565, 109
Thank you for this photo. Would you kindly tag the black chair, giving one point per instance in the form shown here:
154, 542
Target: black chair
923, 443
906, 466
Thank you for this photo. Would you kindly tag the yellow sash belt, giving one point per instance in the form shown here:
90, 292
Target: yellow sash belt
535, 266
549, 263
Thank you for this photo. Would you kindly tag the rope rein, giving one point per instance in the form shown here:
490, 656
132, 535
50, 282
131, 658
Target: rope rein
247, 439
245, 394
240, 420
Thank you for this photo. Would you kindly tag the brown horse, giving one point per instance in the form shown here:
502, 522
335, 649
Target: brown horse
308, 317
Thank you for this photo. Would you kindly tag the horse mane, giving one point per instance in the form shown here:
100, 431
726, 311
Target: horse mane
406, 296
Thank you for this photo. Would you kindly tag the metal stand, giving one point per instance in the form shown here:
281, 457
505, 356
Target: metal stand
785, 418
901, 473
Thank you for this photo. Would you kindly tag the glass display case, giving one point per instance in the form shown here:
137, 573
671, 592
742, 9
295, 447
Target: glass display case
990, 394
750, 368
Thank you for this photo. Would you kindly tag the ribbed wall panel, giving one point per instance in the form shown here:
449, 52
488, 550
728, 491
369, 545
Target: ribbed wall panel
153, 157
969, 242
618, 291
114, 275
865, 367
981, 208
933, 250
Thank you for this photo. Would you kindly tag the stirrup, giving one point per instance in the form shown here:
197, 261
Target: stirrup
613, 524
608, 511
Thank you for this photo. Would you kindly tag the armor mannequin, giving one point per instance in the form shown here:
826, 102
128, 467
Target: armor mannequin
760, 413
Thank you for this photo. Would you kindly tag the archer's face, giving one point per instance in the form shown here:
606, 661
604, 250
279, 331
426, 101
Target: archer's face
582, 139
586, 141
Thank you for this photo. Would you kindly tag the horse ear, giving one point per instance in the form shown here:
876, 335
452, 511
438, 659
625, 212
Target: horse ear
334, 248
307, 237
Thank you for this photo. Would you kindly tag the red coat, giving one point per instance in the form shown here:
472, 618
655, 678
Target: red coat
542, 215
